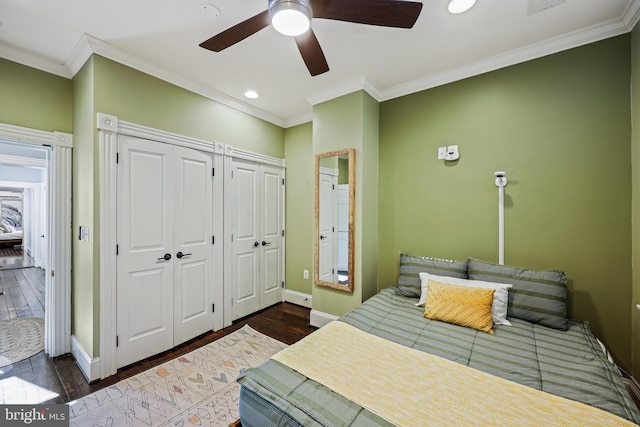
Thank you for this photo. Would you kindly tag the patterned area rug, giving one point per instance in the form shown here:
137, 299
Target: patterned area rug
196, 389
20, 339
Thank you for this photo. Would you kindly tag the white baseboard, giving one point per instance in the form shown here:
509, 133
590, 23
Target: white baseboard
90, 368
319, 319
297, 298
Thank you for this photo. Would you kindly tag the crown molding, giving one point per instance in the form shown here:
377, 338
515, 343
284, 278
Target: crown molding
89, 45
615, 27
34, 61
538, 50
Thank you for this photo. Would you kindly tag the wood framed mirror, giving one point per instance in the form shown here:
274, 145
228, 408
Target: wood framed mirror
334, 219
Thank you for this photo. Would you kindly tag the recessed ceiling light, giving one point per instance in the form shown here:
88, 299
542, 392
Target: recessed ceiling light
251, 94
209, 10
459, 6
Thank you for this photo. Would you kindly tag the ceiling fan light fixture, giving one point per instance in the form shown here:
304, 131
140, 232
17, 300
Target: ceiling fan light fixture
460, 6
290, 17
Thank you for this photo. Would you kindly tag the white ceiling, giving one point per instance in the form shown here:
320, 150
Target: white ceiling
161, 37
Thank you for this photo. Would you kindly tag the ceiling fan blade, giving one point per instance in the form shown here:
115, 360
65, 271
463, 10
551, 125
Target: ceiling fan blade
237, 33
312, 53
385, 13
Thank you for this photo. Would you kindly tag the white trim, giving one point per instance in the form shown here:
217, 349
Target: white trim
298, 298
89, 45
20, 184
58, 292
107, 146
89, 367
319, 319
250, 156
35, 136
34, 61
27, 162
57, 339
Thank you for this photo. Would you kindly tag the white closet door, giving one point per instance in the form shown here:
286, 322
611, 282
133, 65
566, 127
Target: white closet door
193, 248
271, 229
343, 227
246, 243
326, 227
145, 238
165, 250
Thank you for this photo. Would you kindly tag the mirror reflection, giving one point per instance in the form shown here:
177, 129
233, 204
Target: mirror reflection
335, 189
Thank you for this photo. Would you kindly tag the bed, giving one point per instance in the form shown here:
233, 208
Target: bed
11, 237
539, 364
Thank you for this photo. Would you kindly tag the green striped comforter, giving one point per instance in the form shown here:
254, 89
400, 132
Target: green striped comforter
570, 364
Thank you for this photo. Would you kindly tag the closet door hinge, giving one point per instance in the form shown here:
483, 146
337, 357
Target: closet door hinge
116, 340
213, 308
213, 240
117, 249
117, 158
282, 233
282, 181
213, 171
283, 284
333, 186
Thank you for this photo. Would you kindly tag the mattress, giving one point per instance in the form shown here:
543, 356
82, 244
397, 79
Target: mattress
15, 236
569, 364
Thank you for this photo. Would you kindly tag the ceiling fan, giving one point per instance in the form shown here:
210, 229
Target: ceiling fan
385, 13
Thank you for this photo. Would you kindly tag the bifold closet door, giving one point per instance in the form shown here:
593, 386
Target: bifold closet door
164, 294
193, 245
257, 222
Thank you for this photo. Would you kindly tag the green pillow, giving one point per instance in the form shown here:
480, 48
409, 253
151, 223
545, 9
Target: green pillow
410, 267
536, 296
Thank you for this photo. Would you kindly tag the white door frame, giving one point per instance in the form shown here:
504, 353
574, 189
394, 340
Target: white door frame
229, 213
58, 280
108, 129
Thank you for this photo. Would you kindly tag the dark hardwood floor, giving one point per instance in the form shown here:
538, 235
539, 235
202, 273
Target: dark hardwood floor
60, 377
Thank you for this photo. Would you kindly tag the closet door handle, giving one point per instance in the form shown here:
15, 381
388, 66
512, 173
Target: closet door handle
265, 243
180, 254
322, 237
166, 257
256, 244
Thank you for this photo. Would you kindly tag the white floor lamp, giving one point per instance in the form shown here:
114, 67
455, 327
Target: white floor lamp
501, 182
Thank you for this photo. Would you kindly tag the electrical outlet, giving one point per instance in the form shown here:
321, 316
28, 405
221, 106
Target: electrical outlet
305, 274
442, 151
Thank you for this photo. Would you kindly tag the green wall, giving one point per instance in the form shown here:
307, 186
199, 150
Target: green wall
139, 98
34, 99
300, 191
559, 126
104, 86
351, 121
635, 196
84, 296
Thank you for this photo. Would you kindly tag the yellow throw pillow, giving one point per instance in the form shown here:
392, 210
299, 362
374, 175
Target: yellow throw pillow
460, 305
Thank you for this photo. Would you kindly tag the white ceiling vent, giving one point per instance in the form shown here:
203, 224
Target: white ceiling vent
536, 6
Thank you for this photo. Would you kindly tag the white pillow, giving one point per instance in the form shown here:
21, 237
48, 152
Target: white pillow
500, 297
